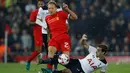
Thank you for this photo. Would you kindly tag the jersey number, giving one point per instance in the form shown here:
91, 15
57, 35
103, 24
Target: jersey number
91, 63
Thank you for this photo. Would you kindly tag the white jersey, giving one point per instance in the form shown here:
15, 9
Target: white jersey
42, 13
91, 63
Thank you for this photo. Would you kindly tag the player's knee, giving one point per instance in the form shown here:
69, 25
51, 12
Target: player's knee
50, 54
51, 51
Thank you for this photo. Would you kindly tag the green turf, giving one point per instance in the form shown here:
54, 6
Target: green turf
20, 68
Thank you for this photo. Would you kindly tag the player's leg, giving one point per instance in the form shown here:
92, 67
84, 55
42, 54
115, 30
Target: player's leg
71, 67
38, 47
72, 63
45, 46
33, 55
53, 60
56, 60
62, 71
51, 52
52, 49
74, 66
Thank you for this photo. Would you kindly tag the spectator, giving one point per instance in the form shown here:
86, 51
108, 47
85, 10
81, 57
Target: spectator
30, 7
9, 3
112, 45
16, 49
14, 37
128, 32
74, 42
126, 11
112, 29
26, 41
83, 5
117, 50
73, 6
126, 50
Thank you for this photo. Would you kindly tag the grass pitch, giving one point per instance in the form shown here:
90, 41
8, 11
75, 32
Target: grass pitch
20, 68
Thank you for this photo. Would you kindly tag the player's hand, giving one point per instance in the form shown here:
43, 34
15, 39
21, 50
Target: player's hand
65, 6
83, 41
84, 37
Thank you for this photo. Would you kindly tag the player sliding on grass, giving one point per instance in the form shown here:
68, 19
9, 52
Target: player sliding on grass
93, 61
60, 39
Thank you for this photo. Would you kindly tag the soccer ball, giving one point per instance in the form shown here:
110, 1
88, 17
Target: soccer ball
63, 59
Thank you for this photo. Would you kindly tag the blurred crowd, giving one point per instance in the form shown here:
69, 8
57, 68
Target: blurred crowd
104, 22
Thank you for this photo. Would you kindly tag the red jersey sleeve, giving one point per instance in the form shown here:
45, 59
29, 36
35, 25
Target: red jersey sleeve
64, 14
33, 16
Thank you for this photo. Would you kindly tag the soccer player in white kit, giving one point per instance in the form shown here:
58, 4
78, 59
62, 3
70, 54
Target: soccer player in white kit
93, 61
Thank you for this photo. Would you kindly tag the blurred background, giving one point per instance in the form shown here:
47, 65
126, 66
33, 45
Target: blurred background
104, 22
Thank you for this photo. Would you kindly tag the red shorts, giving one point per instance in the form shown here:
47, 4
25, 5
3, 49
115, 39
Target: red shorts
62, 43
37, 33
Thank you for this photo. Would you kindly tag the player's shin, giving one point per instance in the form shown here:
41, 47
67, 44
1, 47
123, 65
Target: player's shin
34, 54
51, 52
55, 66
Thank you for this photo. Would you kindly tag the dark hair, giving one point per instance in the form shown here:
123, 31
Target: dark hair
39, 0
52, 2
104, 48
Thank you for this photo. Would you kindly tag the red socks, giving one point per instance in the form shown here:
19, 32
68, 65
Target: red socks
49, 66
34, 54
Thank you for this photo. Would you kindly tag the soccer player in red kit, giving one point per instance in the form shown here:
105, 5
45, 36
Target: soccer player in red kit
60, 39
37, 33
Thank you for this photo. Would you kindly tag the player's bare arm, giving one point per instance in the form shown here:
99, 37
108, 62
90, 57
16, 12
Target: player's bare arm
48, 35
31, 22
72, 14
83, 41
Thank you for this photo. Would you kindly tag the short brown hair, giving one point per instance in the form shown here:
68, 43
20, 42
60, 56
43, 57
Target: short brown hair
52, 2
104, 48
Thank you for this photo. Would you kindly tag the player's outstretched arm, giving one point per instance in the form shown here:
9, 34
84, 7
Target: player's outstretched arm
83, 41
72, 14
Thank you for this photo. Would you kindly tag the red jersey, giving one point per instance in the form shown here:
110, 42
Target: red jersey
57, 23
33, 17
